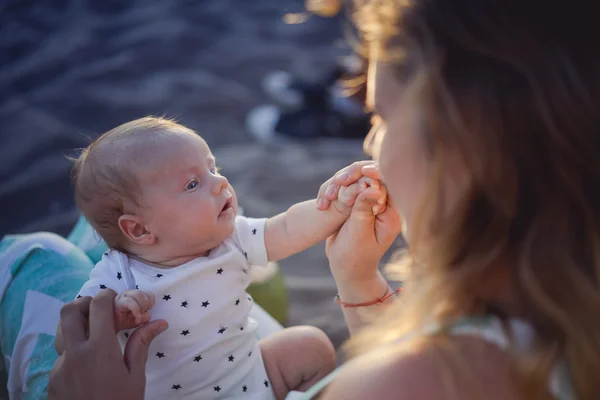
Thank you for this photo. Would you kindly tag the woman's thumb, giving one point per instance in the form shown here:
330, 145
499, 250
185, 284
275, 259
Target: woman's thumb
136, 351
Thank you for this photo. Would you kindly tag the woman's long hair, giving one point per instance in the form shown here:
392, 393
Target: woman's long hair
513, 88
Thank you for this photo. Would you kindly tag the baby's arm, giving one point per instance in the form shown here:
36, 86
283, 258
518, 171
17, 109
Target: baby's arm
303, 226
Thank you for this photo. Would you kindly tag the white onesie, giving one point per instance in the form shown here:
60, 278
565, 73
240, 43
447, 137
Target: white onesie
210, 350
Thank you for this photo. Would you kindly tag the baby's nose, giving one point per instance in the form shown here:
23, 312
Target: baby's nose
221, 184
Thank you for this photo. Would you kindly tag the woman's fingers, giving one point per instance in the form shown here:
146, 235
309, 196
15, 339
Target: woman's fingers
55, 391
388, 225
372, 171
322, 201
73, 320
102, 322
382, 201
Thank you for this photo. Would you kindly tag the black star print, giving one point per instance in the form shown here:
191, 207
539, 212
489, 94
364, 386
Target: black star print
167, 297
159, 275
126, 335
102, 286
245, 388
237, 302
266, 382
217, 388
231, 358
105, 254
249, 354
246, 255
205, 304
78, 296
254, 231
119, 276
245, 271
186, 332
241, 328
160, 355
249, 298
184, 304
136, 286
198, 358
176, 387
219, 271
222, 330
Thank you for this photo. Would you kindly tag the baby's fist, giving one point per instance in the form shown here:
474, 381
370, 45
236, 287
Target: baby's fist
348, 195
132, 308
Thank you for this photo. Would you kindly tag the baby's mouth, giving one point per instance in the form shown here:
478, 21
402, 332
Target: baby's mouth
227, 206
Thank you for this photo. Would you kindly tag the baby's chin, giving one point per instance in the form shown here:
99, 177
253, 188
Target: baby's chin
229, 227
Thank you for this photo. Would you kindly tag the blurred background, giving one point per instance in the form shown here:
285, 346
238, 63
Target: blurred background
256, 78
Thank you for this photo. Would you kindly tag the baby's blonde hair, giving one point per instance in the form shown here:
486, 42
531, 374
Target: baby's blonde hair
106, 173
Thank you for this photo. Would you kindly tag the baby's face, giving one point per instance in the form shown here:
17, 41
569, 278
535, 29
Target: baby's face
188, 205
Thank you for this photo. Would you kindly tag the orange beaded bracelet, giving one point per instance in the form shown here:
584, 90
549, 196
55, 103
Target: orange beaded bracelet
386, 296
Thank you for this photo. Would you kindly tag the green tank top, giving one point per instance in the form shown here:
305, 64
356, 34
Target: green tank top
490, 329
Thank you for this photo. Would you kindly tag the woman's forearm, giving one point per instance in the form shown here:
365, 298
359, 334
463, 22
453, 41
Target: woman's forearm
363, 292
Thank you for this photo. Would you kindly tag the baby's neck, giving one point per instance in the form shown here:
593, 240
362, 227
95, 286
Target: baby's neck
166, 262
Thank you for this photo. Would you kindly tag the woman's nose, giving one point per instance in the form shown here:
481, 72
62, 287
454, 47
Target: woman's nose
220, 184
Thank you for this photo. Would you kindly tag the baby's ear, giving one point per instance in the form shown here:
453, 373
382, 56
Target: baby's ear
133, 228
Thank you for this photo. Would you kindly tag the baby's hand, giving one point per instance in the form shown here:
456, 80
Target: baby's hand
132, 308
348, 194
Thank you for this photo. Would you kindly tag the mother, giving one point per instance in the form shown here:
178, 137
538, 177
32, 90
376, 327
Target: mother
487, 135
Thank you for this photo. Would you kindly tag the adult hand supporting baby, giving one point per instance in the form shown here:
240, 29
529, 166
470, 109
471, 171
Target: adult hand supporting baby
92, 366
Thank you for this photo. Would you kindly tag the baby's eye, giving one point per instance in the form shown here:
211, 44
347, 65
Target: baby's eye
192, 185
215, 170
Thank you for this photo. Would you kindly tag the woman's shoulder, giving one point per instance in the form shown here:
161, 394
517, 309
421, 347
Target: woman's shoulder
464, 367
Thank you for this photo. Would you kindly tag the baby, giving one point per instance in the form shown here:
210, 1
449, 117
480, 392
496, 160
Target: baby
180, 252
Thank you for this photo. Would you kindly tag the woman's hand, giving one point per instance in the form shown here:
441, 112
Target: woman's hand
91, 365
354, 252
